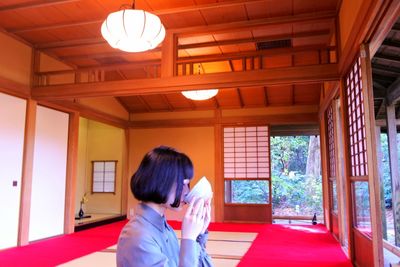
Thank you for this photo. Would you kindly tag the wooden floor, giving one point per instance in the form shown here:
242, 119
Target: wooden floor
225, 248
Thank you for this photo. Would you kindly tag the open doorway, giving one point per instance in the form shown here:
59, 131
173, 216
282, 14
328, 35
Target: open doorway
296, 179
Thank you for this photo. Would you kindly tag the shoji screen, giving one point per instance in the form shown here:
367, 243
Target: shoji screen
12, 126
49, 174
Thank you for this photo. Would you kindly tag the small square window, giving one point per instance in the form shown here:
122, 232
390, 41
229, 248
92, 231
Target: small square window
103, 176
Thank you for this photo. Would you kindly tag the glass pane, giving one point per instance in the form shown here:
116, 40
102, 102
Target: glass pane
247, 192
362, 207
334, 197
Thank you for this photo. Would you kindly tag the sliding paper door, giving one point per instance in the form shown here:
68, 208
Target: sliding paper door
12, 126
49, 174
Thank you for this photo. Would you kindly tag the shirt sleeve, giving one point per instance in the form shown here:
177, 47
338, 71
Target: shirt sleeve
189, 253
204, 258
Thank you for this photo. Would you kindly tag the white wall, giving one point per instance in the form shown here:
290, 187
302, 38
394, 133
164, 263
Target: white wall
12, 126
49, 174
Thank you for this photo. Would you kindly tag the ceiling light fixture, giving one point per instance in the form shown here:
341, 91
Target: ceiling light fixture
133, 30
200, 94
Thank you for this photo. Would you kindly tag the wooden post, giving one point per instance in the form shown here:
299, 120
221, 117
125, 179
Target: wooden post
394, 169
373, 174
219, 178
325, 173
380, 168
27, 169
125, 181
72, 162
168, 55
344, 191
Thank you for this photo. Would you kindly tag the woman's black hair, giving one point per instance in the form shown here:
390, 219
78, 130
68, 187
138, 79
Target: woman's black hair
159, 171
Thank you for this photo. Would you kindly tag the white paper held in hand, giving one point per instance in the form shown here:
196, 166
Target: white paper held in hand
201, 190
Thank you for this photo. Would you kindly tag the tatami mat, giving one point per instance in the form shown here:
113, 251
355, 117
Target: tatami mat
225, 248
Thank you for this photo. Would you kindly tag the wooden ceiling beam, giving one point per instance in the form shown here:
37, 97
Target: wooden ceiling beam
76, 43
393, 92
206, 58
265, 77
34, 4
70, 43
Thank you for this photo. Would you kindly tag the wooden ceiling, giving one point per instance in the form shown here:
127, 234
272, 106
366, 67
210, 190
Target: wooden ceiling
386, 73
212, 37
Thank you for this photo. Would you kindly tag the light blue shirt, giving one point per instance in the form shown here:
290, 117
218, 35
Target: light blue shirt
147, 240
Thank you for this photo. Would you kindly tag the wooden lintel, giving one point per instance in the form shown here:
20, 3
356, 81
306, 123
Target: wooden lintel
86, 112
274, 119
393, 92
266, 77
14, 88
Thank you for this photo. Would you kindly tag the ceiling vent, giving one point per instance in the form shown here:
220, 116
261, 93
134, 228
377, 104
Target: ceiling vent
274, 44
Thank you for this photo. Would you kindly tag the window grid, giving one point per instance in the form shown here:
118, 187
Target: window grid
356, 121
246, 152
331, 141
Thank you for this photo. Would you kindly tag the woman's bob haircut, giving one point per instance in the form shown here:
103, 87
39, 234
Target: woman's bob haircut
161, 169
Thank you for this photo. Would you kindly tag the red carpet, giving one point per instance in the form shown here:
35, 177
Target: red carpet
275, 245
61, 249
295, 246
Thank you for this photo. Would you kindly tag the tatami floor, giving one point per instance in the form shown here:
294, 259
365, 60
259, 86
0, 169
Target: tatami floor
225, 248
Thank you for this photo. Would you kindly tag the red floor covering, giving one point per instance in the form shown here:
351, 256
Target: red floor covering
275, 245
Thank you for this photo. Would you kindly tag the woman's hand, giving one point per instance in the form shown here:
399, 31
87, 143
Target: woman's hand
193, 221
207, 217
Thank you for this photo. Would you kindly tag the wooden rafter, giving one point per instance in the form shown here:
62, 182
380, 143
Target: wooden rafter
387, 58
266, 102
240, 97
389, 70
298, 74
391, 43
165, 99
34, 4
393, 92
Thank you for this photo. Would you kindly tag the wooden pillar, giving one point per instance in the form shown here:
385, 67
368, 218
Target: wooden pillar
394, 169
325, 172
343, 173
219, 178
380, 169
168, 55
27, 169
373, 174
72, 162
125, 175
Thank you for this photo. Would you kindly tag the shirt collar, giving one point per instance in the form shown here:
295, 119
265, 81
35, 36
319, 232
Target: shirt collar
150, 215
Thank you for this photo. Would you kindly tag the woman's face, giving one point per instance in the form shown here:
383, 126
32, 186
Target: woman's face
171, 197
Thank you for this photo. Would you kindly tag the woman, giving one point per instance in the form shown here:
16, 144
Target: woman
161, 183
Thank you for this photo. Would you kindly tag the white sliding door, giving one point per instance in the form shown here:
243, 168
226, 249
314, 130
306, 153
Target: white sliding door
12, 127
49, 174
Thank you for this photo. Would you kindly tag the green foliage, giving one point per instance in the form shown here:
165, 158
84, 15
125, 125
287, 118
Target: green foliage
289, 153
293, 193
251, 191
